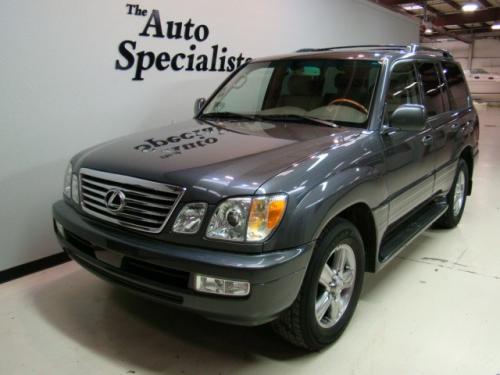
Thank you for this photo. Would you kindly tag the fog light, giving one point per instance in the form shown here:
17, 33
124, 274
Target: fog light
60, 229
214, 285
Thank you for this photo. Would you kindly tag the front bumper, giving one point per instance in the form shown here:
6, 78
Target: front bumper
165, 271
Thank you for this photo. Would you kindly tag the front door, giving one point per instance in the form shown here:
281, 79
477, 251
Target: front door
408, 156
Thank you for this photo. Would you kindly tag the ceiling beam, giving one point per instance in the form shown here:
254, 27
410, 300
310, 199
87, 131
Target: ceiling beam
452, 4
480, 35
392, 5
485, 3
394, 2
482, 15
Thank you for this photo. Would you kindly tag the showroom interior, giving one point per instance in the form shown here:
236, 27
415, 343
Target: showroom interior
79, 74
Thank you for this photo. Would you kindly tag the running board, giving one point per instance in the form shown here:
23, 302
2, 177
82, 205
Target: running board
408, 230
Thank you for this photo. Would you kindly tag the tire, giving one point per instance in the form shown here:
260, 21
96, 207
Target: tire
456, 198
299, 324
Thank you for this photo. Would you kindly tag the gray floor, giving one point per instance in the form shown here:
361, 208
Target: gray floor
434, 310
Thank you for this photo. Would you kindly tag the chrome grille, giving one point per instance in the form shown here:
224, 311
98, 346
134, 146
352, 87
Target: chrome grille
147, 204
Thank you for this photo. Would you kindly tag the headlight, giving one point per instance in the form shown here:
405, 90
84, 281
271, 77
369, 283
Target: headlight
75, 189
247, 219
229, 221
190, 218
67, 182
71, 188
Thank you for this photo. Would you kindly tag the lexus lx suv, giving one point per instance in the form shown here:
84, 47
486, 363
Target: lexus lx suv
298, 175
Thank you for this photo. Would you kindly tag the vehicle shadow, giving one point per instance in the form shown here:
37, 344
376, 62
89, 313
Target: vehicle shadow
147, 335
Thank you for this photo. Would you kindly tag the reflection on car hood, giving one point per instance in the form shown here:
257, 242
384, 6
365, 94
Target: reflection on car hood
213, 158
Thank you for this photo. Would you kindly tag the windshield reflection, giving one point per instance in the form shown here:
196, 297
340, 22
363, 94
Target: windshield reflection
317, 91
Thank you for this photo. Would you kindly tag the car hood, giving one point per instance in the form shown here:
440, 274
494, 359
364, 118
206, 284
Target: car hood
212, 159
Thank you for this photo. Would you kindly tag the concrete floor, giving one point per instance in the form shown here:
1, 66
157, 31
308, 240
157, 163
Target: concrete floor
434, 310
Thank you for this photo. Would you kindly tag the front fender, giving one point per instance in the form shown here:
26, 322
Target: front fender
327, 199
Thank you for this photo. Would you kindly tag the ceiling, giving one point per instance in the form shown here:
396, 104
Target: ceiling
448, 18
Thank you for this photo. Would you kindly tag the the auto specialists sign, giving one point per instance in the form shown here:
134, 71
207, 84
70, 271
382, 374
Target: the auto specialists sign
133, 58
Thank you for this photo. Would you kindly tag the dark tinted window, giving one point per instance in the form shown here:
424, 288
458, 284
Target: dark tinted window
433, 95
403, 88
457, 89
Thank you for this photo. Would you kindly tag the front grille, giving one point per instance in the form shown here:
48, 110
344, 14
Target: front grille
147, 204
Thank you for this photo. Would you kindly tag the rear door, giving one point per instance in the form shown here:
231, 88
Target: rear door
439, 119
408, 158
459, 121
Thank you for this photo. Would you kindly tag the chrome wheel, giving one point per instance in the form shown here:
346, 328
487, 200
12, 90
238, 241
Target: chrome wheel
335, 285
458, 198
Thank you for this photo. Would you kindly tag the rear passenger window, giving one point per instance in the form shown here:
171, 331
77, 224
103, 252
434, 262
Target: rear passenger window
433, 95
403, 88
457, 88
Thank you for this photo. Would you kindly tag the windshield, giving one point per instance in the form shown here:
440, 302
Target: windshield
338, 91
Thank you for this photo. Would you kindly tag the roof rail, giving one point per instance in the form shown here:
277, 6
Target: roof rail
409, 47
417, 47
381, 46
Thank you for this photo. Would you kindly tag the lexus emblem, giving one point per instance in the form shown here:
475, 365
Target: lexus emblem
115, 200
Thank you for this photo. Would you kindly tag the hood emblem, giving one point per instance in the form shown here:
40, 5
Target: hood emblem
115, 200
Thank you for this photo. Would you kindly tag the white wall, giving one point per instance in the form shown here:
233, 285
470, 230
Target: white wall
60, 92
486, 53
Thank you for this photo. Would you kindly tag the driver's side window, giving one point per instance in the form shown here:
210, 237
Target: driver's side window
403, 88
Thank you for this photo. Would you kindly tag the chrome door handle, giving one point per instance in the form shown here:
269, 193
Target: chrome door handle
427, 140
455, 125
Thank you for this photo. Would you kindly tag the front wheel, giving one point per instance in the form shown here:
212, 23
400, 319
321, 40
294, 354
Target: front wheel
456, 198
330, 290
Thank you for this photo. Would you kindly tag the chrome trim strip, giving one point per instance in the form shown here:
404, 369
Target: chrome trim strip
131, 182
128, 190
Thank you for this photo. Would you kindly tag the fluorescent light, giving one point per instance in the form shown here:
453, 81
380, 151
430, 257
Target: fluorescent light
411, 6
428, 31
470, 7
495, 26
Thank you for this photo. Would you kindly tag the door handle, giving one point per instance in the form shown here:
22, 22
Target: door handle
455, 125
427, 140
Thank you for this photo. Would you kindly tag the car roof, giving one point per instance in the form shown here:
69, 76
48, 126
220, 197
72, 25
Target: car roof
362, 52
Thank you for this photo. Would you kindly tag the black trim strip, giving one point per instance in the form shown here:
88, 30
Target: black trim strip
32, 267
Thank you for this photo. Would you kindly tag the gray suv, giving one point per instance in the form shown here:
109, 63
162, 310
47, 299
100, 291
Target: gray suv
298, 174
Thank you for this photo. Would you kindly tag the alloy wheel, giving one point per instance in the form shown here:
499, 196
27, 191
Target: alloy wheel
335, 285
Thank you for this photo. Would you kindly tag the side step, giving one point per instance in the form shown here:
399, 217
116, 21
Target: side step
415, 224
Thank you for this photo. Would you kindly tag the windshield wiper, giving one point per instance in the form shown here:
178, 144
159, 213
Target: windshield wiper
295, 117
228, 115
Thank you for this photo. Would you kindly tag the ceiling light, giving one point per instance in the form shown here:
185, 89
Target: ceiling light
470, 7
411, 6
428, 31
495, 26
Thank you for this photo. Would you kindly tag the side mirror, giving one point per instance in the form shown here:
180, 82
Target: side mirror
198, 105
408, 117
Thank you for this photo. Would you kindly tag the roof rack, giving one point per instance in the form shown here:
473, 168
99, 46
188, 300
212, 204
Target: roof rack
381, 46
409, 47
417, 47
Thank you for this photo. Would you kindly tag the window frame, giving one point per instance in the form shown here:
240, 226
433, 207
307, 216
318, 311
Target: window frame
413, 62
468, 96
441, 83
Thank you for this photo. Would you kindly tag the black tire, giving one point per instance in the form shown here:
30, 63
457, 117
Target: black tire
298, 324
451, 217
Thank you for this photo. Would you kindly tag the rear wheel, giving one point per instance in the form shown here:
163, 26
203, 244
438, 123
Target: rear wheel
456, 198
330, 290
